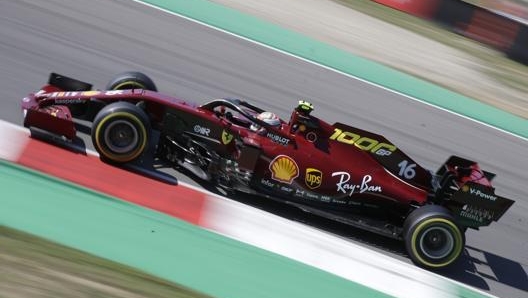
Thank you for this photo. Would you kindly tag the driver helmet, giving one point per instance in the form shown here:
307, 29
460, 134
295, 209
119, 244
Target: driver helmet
268, 117
304, 107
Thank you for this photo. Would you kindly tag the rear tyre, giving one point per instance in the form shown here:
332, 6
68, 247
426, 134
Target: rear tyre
131, 80
120, 132
432, 238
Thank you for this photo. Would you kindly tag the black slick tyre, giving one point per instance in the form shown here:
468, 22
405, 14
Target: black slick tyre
131, 80
120, 132
432, 238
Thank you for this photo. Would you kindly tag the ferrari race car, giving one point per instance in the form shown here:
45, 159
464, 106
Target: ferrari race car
332, 170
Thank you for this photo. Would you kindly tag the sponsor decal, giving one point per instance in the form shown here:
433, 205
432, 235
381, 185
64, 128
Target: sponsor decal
311, 195
68, 101
313, 178
363, 143
63, 94
114, 92
325, 199
278, 139
270, 184
483, 195
267, 183
471, 216
364, 186
90, 93
476, 214
336, 201
299, 193
284, 169
286, 189
202, 130
226, 137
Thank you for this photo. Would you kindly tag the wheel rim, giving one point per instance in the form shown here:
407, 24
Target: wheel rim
436, 242
121, 136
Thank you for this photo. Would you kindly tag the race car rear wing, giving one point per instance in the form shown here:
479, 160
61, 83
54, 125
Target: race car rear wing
467, 191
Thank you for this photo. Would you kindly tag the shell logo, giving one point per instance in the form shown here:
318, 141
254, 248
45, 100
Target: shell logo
284, 169
465, 188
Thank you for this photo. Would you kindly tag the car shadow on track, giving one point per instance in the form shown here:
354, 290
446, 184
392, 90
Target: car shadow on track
476, 266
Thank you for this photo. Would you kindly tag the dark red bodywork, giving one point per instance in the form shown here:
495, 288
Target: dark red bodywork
332, 167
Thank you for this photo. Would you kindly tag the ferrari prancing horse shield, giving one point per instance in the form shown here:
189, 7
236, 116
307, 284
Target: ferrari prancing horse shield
226, 137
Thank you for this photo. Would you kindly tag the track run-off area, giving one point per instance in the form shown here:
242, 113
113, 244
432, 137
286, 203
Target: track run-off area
94, 41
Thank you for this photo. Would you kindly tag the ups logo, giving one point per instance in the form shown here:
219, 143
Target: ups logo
313, 178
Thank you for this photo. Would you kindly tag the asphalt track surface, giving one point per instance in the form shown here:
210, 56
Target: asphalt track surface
93, 40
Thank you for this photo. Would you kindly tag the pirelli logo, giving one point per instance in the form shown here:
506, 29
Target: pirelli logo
313, 178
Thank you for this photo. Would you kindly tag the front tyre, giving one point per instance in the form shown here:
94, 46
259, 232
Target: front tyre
131, 80
120, 132
432, 238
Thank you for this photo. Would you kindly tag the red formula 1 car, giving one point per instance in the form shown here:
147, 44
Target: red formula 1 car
332, 170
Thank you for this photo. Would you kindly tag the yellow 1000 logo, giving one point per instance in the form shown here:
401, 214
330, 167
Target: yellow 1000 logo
363, 143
